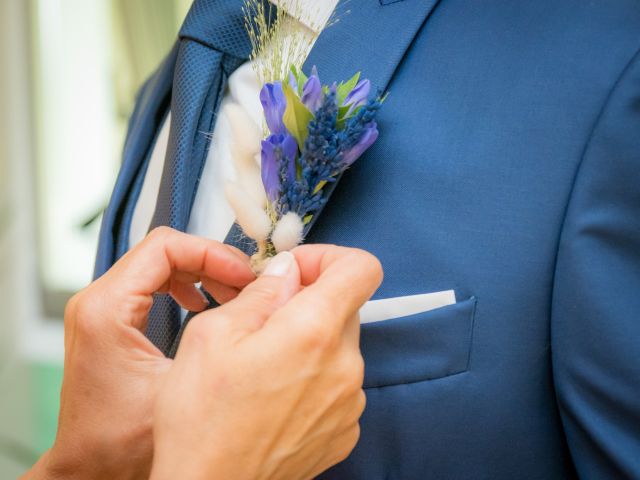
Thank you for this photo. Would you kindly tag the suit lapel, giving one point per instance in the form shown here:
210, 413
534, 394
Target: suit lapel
371, 36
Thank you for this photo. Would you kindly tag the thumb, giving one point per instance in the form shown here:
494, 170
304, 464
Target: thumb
260, 299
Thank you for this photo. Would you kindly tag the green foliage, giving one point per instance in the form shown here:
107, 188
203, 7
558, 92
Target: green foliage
300, 77
296, 116
343, 117
344, 89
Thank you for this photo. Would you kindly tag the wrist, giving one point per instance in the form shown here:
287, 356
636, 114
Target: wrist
51, 466
171, 463
58, 465
39, 470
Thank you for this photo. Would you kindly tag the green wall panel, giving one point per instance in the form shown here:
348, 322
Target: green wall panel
47, 380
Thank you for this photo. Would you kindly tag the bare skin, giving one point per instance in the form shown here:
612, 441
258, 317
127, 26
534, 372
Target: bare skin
267, 386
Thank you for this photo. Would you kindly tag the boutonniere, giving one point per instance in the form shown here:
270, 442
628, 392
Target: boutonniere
313, 133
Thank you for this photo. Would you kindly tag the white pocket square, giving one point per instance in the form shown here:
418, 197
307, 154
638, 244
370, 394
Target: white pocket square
389, 308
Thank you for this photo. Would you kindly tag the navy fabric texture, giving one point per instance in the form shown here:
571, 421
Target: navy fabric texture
508, 169
213, 43
197, 82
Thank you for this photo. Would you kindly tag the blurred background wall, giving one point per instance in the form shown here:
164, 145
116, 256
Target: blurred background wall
69, 70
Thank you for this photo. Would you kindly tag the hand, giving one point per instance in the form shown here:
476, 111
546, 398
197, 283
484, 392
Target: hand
270, 384
112, 372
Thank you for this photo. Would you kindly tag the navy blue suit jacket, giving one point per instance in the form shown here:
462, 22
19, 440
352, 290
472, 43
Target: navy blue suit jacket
508, 169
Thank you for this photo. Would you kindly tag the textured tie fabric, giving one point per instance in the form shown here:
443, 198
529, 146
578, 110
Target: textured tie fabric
213, 43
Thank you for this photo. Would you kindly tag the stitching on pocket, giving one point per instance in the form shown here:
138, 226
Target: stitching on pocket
432, 379
389, 2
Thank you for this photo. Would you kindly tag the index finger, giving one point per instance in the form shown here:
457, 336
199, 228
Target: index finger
149, 265
338, 282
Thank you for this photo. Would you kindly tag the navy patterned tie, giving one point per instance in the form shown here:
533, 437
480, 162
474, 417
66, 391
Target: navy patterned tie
213, 43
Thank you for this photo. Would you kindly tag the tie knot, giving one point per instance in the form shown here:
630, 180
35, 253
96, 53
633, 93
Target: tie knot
218, 24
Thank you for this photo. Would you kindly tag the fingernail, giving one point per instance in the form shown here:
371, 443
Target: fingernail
280, 265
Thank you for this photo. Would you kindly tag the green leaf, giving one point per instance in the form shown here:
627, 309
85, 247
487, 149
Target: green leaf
342, 115
344, 89
301, 78
296, 116
342, 111
319, 186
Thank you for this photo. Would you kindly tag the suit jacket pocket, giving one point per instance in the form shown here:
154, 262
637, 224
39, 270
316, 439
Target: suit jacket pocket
418, 347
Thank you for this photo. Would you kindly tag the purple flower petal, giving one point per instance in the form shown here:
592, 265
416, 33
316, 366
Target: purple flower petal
289, 151
269, 170
278, 158
274, 104
367, 139
359, 95
312, 93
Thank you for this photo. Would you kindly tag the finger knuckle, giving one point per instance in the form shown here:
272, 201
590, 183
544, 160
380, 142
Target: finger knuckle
350, 372
322, 328
357, 365
208, 328
160, 233
80, 313
361, 404
368, 263
128, 307
263, 295
71, 309
198, 329
72, 305
348, 443
353, 436
319, 336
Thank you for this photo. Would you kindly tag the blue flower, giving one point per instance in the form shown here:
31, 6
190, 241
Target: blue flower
358, 96
312, 92
274, 104
294, 176
278, 158
319, 162
368, 137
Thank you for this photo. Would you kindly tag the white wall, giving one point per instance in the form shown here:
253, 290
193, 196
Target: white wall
31, 347
17, 241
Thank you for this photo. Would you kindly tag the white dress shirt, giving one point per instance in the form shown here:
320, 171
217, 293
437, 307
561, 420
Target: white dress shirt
211, 215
